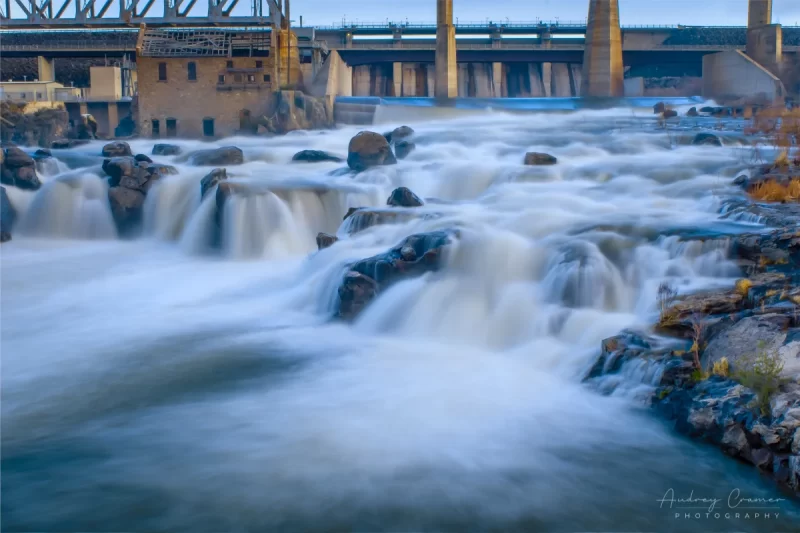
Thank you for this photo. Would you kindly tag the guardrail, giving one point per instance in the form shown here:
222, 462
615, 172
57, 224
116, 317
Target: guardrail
511, 45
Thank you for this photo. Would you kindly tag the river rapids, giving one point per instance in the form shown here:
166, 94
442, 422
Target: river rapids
155, 384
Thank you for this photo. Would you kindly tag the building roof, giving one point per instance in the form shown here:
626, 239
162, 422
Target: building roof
200, 42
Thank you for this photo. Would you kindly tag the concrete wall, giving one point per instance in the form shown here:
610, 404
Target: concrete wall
105, 82
634, 86
732, 75
189, 102
562, 86
765, 46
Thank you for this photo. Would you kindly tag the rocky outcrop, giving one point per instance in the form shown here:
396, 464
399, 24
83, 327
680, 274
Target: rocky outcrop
64, 144
692, 112
130, 180
538, 159
166, 149
739, 343
227, 155
315, 156
369, 149
367, 278
211, 180
24, 124
293, 110
325, 240
403, 197
116, 149
19, 169
7, 216
659, 108
85, 128
708, 139
400, 139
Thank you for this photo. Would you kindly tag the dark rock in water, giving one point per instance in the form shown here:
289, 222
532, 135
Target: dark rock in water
692, 112
166, 149
227, 155
161, 170
7, 216
126, 127
537, 158
367, 278
117, 167
19, 169
706, 139
369, 149
126, 207
315, 156
42, 153
363, 218
403, 149
211, 180
398, 134
63, 144
351, 211
325, 240
142, 157
669, 113
707, 109
117, 149
403, 197
659, 108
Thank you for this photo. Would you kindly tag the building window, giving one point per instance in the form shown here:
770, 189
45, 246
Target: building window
259, 64
266, 78
221, 79
251, 78
162, 72
229, 64
156, 128
38, 96
172, 127
208, 127
237, 78
267, 53
192, 66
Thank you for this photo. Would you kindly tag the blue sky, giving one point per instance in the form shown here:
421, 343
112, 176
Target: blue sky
633, 12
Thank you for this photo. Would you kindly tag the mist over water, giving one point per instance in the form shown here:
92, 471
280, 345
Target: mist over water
158, 384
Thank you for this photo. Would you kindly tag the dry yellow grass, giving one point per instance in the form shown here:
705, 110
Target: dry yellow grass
772, 191
743, 287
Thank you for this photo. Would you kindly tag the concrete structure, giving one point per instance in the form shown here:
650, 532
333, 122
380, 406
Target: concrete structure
446, 74
602, 59
29, 91
729, 76
764, 39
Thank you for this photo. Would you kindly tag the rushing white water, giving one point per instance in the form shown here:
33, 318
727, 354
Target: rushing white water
157, 384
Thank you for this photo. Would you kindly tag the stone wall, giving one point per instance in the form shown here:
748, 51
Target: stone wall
732, 76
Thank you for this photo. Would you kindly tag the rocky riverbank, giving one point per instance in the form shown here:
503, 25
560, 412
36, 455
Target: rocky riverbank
726, 364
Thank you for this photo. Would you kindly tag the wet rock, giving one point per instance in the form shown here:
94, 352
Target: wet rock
680, 318
669, 113
403, 149
42, 153
117, 149
117, 167
708, 139
126, 207
365, 279
126, 127
692, 112
27, 125
64, 144
142, 157
369, 149
19, 169
315, 156
325, 240
211, 180
659, 108
166, 149
538, 159
403, 197
743, 341
398, 134
359, 219
227, 155
7, 216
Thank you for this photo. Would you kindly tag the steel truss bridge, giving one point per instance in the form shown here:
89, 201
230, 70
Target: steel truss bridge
32, 14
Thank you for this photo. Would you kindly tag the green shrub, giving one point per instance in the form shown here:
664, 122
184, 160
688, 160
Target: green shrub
762, 373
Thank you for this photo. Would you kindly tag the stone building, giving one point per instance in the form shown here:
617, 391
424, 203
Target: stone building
208, 82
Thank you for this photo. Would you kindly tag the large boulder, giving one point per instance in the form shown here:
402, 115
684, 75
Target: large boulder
659, 108
130, 181
743, 341
7, 216
19, 169
126, 207
142, 157
117, 149
403, 197
166, 149
325, 240
227, 155
117, 167
398, 134
669, 113
126, 127
369, 149
211, 179
692, 112
365, 279
708, 139
538, 159
402, 149
315, 156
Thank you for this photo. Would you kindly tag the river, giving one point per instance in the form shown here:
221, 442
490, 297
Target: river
155, 385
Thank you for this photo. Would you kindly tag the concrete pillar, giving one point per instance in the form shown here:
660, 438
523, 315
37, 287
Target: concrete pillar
603, 71
84, 108
446, 74
397, 78
430, 78
113, 117
547, 78
46, 69
497, 79
759, 13
410, 79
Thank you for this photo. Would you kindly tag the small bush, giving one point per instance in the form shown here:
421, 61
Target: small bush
743, 287
721, 368
762, 373
666, 297
772, 191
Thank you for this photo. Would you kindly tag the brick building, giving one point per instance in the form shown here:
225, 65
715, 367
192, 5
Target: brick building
208, 82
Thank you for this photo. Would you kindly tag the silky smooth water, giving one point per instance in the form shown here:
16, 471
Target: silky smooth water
157, 384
